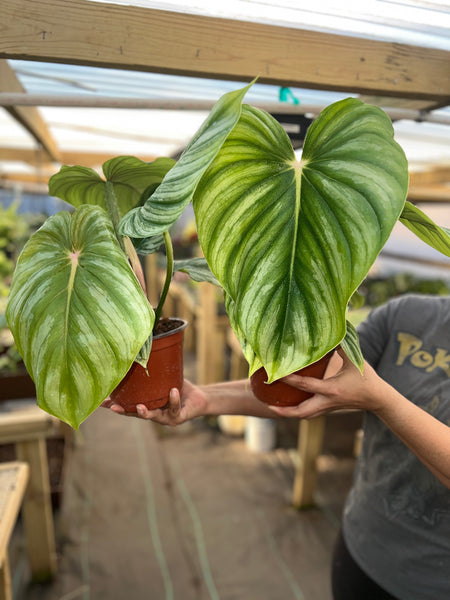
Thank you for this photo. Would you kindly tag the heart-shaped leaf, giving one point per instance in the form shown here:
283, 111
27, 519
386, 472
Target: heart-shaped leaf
290, 241
77, 312
129, 177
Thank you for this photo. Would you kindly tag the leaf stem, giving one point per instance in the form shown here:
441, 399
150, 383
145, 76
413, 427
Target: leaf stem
125, 243
135, 262
169, 273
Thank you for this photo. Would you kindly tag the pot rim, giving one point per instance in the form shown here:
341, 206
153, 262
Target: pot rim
183, 325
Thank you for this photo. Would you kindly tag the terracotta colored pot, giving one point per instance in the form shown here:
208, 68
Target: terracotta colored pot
165, 371
281, 394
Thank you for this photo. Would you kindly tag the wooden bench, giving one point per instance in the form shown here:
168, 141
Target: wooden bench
28, 429
13, 482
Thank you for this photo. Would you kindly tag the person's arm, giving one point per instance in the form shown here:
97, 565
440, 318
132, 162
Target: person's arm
225, 398
427, 437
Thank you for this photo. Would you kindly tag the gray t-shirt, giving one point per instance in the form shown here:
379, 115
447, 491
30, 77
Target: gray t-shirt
396, 519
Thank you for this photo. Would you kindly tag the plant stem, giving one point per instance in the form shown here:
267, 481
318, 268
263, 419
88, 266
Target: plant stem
125, 243
135, 262
169, 273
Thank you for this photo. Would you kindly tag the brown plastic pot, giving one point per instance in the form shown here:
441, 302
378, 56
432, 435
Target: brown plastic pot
279, 393
165, 371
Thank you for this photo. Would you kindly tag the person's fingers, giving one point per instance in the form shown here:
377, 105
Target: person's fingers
142, 411
284, 411
164, 416
307, 409
117, 408
174, 405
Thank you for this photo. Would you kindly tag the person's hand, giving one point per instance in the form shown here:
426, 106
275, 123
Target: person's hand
179, 409
347, 389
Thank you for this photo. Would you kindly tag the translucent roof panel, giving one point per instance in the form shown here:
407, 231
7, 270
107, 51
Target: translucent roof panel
155, 132
159, 131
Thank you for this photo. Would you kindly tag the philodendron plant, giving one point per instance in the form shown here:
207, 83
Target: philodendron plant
288, 240
78, 308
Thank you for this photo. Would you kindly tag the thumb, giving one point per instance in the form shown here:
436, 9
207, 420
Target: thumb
306, 384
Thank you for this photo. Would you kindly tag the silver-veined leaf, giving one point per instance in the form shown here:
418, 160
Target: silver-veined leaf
350, 345
248, 352
129, 176
168, 202
419, 223
77, 312
145, 246
197, 269
290, 241
144, 353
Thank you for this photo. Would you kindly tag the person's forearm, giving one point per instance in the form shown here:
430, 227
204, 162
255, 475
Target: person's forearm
424, 435
233, 398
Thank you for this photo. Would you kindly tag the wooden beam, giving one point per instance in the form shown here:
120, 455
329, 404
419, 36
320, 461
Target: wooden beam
433, 176
33, 178
146, 39
35, 158
28, 116
429, 193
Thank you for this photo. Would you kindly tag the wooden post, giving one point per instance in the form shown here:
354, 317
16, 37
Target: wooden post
238, 364
205, 333
5, 579
186, 311
13, 482
210, 329
37, 510
310, 441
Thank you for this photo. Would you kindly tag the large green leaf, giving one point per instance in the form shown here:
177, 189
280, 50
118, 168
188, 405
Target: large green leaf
419, 223
166, 205
77, 312
290, 241
248, 352
129, 177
